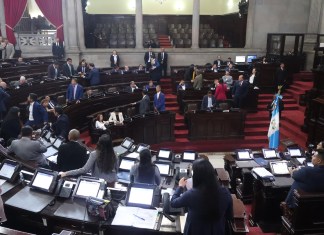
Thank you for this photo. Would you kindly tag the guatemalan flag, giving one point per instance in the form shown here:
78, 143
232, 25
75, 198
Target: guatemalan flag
273, 133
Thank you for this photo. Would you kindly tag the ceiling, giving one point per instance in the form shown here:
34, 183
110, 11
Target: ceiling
168, 7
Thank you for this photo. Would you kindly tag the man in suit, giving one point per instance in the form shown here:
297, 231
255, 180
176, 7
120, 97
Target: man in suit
37, 115
131, 88
114, 59
189, 72
198, 81
58, 49
218, 61
4, 96
126, 70
150, 85
281, 76
28, 149
53, 71
208, 101
182, 86
94, 75
8, 49
159, 100
71, 155
163, 60
83, 69
144, 103
308, 179
148, 56
68, 69
240, 91
62, 126
74, 91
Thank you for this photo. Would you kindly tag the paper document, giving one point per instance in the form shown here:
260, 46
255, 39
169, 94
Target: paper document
52, 159
262, 172
135, 217
183, 219
301, 160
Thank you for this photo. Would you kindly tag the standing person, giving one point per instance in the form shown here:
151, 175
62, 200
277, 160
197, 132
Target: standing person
240, 91
280, 77
4, 96
145, 171
53, 71
11, 125
163, 60
155, 71
37, 115
102, 162
8, 49
83, 69
253, 80
58, 49
208, 101
68, 69
148, 56
144, 103
62, 125
159, 100
114, 59
228, 79
220, 93
74, 91
209, 205
198, 81
93, 75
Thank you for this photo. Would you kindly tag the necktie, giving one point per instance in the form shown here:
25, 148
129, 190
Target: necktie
55, 72
193, 75
241, 83
70, 70
163, 56
82, 69
158, 95
74, 91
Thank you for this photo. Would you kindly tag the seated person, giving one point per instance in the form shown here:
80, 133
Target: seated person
208, 101
71, 155
116, 117
182, 85
198, 81
145, 171
228, 79
28, 149
150, 85
51, 104
140, 69
87, 94
100, 123
214, 85
214, 68
132, 87
115, 70
21, 83
102, 162
126, 70
308, 179
21, 62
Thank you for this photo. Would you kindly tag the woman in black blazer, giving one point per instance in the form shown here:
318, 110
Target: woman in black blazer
114, 59
11, 125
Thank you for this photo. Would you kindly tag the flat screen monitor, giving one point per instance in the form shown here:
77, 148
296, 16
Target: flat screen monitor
126, 164
140, 147
140, 195
189, 156
57, 143
243, 154
127, 143
44, 180
164, 154
89, 187
269, 153
240, 59
279, 168
47, 136
9, 169
295, 152
250, 58
164, 168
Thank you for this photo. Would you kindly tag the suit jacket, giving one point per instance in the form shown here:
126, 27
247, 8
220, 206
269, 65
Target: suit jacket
78, 93
62, 126
144, 104
51, 72
39, 113
112, 62
218, 62
240, 91
66, 70
198, 82
159, 103
58, 51
71, 156
4, 96
94, 77
281, 76
179, 87
163, 62
255, 81
204, 103
79, 69
113, 117
8, 51
147, 56
10, 129
28, 150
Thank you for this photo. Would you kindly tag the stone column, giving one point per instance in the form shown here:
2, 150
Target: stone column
250, 25
139, 24
195, 24
80, 25
2, 20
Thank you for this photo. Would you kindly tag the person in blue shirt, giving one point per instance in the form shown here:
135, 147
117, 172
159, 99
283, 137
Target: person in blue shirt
209, 205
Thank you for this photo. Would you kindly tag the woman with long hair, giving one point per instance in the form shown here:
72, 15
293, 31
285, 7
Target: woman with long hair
145, 171
102, 162
209, 205
220, 93
11, 125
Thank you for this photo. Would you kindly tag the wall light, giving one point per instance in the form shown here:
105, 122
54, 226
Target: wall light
230, 3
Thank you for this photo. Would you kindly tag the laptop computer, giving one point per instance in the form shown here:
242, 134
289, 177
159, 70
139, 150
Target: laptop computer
124, 147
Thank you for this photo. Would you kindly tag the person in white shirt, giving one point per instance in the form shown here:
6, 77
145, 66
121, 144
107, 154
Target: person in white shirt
100, 123
253, 80
114, 59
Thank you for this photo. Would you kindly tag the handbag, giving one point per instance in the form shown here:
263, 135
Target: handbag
104, 209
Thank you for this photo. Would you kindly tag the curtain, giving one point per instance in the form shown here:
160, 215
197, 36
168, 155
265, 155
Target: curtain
52, 10
13, 13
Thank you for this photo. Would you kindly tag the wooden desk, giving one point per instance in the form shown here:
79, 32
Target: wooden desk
215, 125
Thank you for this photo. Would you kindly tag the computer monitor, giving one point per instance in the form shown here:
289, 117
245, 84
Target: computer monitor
269, 153
164, 154
9, 170
57, 143
164, 168
294, 152
89, 187
244, 154
140, 147
140, 195
240, 59
189, 156
279, 168
127, 143
250, 58
126, 164
44, 180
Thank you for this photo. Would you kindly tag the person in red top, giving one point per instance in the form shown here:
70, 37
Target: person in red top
220, 93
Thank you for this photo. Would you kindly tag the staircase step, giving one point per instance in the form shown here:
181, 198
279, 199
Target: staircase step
261, 123
181, 133
287, 107
182, 140
285, 101
293, 130
171, 104
180, 126
257, 131
174, 109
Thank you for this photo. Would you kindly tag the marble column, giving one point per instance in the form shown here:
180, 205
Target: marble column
195, 24
139, 24
250, 24
2, 20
